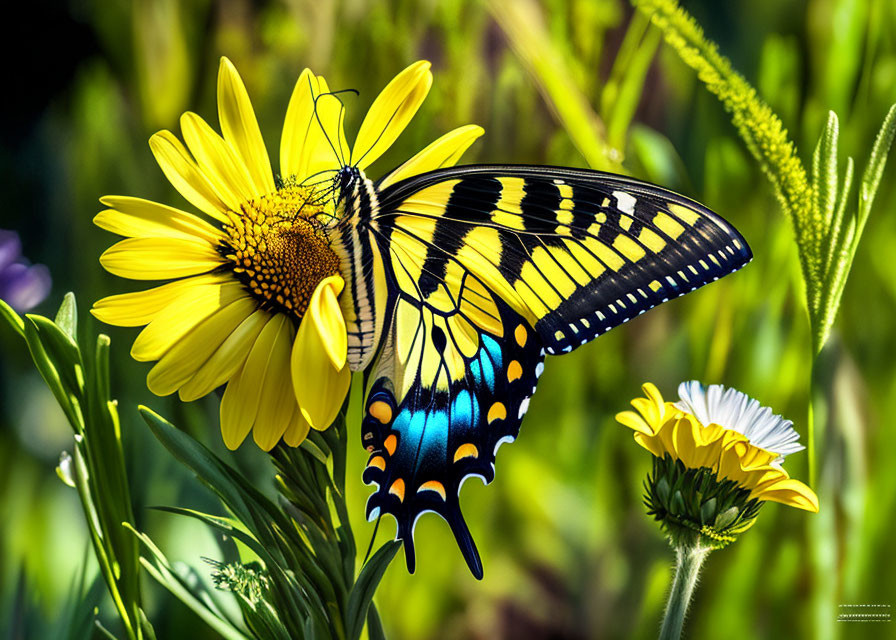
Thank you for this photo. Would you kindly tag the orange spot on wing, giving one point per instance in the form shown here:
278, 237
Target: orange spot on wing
377, 461
521, 335
497, 412
514, 371
397, 489
390, 443
381, 411
467, 450
433, 485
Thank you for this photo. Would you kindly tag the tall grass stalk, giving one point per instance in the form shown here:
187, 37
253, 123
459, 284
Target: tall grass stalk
826, 226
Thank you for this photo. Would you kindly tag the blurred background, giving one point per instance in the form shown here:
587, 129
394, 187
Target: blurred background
567, 547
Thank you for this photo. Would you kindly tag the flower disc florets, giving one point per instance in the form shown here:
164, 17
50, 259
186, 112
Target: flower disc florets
278, 249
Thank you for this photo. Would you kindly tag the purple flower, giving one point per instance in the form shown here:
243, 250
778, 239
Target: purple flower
22, 285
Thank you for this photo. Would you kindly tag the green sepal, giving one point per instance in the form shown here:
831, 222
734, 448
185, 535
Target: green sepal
700, 507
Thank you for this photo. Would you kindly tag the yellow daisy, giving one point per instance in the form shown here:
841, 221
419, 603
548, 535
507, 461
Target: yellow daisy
254, 297
718, 458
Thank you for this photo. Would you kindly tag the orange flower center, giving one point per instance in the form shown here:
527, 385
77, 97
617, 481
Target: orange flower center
278, 249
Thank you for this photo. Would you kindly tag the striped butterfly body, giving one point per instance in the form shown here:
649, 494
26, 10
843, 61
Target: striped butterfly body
461, 280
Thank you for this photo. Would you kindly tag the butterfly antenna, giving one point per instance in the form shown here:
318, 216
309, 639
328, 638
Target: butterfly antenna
334, 94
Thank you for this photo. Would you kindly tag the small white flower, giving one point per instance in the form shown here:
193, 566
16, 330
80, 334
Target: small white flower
731, 409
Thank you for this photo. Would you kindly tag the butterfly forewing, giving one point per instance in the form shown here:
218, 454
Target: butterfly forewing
575, 252
487, 268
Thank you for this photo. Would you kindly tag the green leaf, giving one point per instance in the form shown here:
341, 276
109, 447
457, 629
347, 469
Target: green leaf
12, 318
52, 377
362, 592
314, 450
62, 351
103, 630
374, 624
843, 247
200, 460
193, 596
110, 565
67, 316
228, 526
834, 240
145, 626
875, 169
624, 88
824, 171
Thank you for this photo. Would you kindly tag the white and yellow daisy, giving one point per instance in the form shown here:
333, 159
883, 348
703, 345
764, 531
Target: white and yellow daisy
253, 301
723, 430
718, 457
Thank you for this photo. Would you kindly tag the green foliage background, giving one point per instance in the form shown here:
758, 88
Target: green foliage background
568, 550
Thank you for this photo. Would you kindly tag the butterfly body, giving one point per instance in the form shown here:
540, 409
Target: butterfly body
463, 279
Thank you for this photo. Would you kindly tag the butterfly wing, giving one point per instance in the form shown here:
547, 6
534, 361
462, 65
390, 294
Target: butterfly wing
492, 267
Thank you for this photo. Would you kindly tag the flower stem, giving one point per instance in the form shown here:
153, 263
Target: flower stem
688, 560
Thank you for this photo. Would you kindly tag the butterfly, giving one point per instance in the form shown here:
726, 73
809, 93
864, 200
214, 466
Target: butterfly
461, 281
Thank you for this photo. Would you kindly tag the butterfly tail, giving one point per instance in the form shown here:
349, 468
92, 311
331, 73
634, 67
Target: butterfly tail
465, 542
406, 535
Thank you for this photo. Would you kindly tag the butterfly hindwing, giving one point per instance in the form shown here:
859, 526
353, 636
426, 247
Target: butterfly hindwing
488, 269
448, 424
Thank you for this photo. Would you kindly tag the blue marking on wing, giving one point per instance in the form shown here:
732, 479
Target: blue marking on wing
493, 349
435, 434
465, 410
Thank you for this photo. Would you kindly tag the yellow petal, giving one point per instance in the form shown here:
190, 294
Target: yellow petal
793, 493
298, 429
634, 421
139, 218
184, 174
654, 444
225, 170
239, 407
227, 360
684, 441
160, 258
444, 152
297, 125
324, 312
278, 402
173, 322
391, 112
328, 393
182, 361
139, 308
240, 128
319, 388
